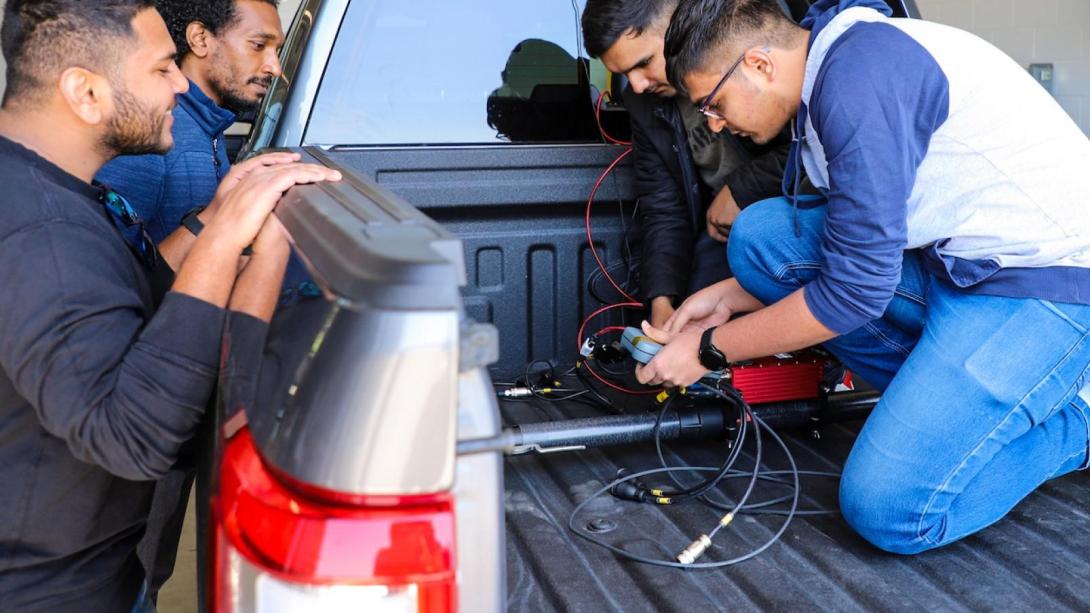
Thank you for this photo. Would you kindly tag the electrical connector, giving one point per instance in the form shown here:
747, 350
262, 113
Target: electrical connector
588, 347
633, 489
610, 353
695, 550
629, 491
516, 392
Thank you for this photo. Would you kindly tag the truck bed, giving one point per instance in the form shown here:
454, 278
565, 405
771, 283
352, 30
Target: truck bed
1035, 558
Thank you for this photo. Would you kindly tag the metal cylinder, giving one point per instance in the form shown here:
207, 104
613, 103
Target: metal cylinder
706, 420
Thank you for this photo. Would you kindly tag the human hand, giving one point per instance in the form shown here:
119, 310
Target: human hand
272, 239
242, 170
702, 310
677, 364
721, 215
244, 211
662, 308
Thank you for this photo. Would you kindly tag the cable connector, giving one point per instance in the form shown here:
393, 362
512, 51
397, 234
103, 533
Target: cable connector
588, 347
695, 550
632, 489
516, 392
629, 491
725, 521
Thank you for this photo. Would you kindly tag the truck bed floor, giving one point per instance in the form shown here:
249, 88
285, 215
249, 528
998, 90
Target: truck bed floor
1037, 558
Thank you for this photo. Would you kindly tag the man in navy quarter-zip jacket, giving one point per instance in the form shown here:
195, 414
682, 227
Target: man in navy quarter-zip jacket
228, 49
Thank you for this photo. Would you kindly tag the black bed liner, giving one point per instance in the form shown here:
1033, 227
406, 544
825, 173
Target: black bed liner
1036, 558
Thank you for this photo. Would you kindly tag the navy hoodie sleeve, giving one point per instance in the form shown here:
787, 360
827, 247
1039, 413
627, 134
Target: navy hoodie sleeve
124, 388
877, 101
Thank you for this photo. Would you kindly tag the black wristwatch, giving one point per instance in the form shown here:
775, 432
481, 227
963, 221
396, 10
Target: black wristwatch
191, 222
194, 225
710, 356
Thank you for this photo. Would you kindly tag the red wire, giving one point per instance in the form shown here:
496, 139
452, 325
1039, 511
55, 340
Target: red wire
620, 305
598, 118
618, 387
633, 303
590, 237
579, 341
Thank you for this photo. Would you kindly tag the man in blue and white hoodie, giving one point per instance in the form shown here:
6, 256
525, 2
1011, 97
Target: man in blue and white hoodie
948, 262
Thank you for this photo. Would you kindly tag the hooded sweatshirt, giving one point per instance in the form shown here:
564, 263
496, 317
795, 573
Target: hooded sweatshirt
923, 136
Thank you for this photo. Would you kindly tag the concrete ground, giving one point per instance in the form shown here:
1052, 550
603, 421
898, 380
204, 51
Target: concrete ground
179, 595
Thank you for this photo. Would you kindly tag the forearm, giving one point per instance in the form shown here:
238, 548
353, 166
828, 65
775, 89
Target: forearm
787, 325
258, 288
209, 270
175, 247
738, 299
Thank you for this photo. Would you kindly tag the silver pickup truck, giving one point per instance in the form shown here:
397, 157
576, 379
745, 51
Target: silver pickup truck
452, 256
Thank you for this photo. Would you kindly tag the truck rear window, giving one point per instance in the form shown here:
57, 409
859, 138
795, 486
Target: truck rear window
468, 72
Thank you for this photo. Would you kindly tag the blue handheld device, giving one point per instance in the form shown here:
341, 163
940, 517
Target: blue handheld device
639, 345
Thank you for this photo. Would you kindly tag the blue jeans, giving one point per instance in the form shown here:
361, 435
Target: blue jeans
984, 398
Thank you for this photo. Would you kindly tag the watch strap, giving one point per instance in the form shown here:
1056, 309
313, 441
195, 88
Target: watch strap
191, 222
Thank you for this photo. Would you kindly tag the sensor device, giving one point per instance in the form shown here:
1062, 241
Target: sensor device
639, 345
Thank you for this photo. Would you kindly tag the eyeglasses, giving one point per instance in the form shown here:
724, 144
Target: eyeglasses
130, 225
703, 108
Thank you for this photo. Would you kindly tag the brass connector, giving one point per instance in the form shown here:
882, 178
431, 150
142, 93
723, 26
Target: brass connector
695, 550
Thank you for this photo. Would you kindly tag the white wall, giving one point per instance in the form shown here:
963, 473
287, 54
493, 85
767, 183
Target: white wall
1056, 32
1048, 31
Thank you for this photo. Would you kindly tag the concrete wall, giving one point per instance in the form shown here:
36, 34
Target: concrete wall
1032, 31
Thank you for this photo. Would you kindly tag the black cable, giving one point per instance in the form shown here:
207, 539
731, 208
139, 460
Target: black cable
582, 376
601, 368
597, 275
700, 489
752, 509
759, 425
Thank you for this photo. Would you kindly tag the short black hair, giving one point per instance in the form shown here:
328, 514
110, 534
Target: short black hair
605, 21
700, 27
216, 15
43, 38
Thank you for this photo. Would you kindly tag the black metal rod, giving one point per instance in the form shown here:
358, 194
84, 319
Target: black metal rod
705, 421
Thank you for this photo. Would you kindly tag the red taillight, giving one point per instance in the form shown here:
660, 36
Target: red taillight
283, 548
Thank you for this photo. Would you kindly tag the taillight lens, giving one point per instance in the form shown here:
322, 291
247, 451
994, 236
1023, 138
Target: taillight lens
281, 548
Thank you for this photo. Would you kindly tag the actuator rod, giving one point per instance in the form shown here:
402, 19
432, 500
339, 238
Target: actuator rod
706, 421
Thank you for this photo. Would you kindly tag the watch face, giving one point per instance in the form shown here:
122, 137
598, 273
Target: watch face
710, 356
711, 361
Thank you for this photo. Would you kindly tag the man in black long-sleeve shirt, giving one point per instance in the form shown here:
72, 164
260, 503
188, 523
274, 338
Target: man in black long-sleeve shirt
687, 178
107, 357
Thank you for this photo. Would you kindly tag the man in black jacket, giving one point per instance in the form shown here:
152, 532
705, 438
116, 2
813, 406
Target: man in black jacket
688, 178
108, 356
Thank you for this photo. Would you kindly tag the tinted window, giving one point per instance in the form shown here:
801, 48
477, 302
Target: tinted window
442, 72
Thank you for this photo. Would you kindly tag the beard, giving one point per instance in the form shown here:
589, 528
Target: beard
230, 88
235, 100
134, 129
